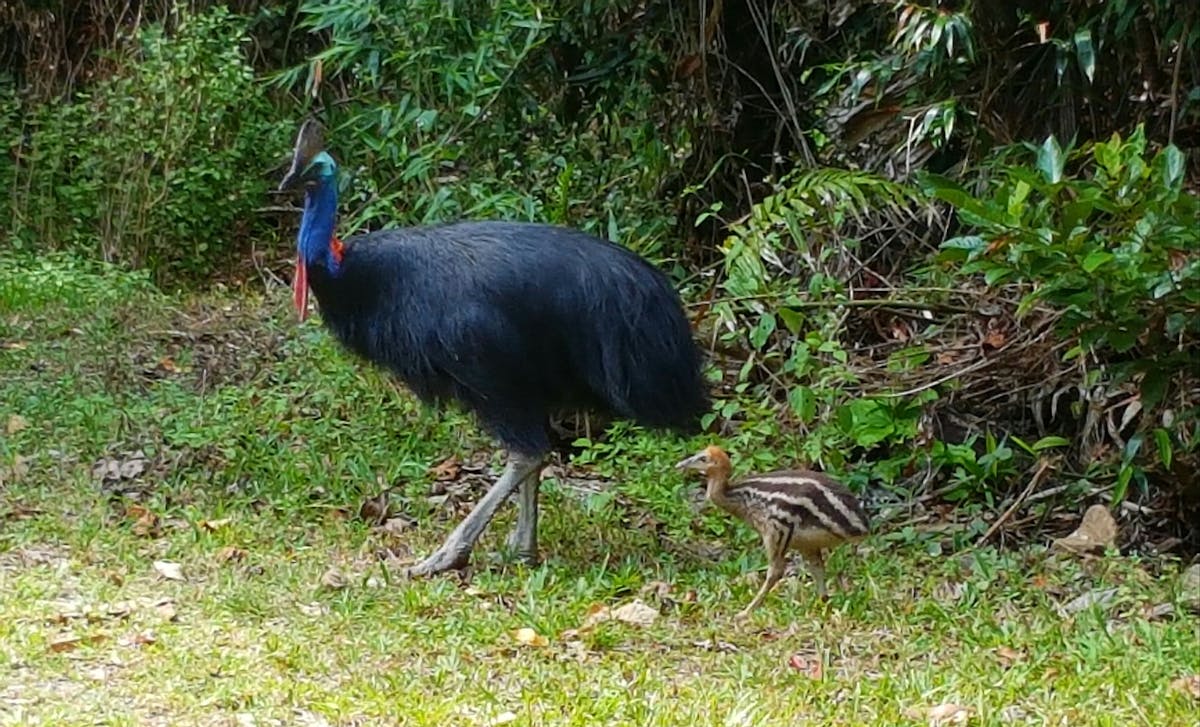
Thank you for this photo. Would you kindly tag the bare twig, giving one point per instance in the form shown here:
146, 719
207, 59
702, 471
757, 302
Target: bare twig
1174, 101
1044, 466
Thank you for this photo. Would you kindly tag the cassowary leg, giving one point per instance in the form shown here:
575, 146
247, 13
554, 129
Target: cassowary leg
455, 553
523, 539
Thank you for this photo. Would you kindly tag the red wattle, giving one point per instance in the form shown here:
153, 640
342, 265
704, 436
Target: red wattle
300, 288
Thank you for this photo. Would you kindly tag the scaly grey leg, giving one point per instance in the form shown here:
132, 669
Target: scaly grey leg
523, 539
455, 553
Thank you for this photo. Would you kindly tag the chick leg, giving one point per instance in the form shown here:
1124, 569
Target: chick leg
455, 553
523, 538
776, 552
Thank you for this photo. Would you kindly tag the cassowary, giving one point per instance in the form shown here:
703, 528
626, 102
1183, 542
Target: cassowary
513, 321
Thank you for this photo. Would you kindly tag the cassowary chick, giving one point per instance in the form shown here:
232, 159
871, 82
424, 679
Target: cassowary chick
791, 509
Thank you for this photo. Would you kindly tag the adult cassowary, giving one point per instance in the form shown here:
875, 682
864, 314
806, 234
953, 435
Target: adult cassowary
514, 321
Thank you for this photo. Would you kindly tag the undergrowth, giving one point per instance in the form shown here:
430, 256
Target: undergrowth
187, 535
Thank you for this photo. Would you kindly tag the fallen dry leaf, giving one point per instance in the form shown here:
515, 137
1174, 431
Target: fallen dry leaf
715, 645
1092, 598
214, 525
14, 472
170, 571
15, 423
333, 580
230, 554
949, 591
305, 718
166, 610
503, 718
70, 642
394, 526
141, 638
313, 609
447, 469
375, 509
1189, 685
528, 637
1189, 584
597, 613
112, 470
660, 590
635, 612
66, 642
145, 522
19, 512
1008, 656
808, 665
1095, 534
995, 339
1157, 611
948, 714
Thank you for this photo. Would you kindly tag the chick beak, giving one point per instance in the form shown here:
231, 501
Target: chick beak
688, 463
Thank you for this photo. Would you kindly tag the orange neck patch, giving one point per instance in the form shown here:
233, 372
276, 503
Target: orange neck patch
337, 248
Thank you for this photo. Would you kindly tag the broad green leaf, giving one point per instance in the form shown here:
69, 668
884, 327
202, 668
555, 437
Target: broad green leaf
1154, 387
1132, 447
1095, 259
1122, 485
1173, 165
1162, 438
972, 243
1048, 442
1164, 287
1085, 54
763, 331
803, 403
792, 320
1050, 160
995, 275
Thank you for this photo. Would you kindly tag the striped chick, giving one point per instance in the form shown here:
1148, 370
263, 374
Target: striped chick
791, 509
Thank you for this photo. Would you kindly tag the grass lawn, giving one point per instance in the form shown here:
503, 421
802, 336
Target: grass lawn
189, 535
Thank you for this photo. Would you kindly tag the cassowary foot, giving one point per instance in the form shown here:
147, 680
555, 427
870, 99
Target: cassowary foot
522, 540
455, 553
517, 547
444, 560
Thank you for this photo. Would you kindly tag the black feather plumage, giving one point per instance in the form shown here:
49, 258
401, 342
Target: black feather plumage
516, 321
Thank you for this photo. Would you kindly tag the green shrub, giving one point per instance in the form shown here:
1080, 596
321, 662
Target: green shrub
158, 165
439, 111
1106, 238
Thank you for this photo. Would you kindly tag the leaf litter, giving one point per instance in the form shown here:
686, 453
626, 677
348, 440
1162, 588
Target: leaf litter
169, 570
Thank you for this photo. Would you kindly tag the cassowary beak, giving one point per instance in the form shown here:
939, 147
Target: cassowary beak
293, 175
689, 463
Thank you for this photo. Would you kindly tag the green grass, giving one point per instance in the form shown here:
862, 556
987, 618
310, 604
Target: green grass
248, 421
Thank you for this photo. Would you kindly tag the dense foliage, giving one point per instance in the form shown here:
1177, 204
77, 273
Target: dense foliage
945, 243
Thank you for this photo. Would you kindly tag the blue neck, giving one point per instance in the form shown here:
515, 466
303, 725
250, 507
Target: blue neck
316, 226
